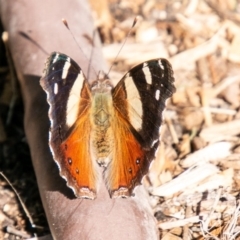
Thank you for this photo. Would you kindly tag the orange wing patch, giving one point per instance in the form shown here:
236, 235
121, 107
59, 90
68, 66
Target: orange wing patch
77, 159
128, 163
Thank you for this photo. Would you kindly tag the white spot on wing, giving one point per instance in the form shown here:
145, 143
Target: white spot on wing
55, 59
160, 64
153, 143
157, 94
73, 101
147, 73
55, 90
135, 103
66, 68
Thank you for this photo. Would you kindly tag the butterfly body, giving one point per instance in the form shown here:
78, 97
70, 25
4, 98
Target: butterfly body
101, 123
97, 125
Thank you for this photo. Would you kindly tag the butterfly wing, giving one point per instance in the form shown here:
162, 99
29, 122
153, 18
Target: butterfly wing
69, 98
138, 101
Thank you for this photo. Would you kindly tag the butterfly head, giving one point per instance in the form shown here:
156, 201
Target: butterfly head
101, 86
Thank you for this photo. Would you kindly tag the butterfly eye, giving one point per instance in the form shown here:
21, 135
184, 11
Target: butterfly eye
77, 171
130, 170
69, 161
108, 84
95, 84
138, 161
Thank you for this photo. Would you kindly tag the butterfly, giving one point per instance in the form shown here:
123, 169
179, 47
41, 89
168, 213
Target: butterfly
101, 126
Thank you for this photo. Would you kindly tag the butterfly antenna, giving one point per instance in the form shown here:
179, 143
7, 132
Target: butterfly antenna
91, 54
128, 34
64, 21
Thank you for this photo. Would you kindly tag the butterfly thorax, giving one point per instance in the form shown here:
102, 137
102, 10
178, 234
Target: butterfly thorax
102, 135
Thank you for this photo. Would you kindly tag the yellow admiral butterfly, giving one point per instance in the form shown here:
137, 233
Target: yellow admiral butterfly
99, 125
